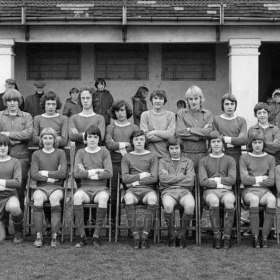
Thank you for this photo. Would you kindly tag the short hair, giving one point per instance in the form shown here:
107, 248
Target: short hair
5, 140
181, 103
256, 135
140, 91
93, 130
100, 81
90, 90
276, 91
50, 95
117, 105
73, 90
194, 91
12, 94
260, 106
173, 141
48, 131
137, 133
230, 97
159, 93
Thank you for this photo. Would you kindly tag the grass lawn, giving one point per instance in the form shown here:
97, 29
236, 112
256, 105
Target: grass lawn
120, 261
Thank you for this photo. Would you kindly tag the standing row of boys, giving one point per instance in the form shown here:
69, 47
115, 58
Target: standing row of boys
164, 150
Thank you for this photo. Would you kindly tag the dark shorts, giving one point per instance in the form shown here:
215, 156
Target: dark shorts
49, 190
220, 193
176, 192
92, 192
259, 192
140, 193
4, 197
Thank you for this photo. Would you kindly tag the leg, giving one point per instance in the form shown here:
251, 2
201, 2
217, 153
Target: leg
13, 206
270, 201
150, 199
39, 199
168, 203
55, 199
102, 200
130, 201
254, 215
228, 201
80, 197
212, 200
187, 202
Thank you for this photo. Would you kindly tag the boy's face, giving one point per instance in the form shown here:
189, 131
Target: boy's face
92, 141
216, 145
100, 86
121, 113
175, 151
194, 103
74, 95
48, 141
262, 116
158, 102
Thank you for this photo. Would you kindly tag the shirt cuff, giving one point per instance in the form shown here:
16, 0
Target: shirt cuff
259, 179
141, 176
50, 180
218, 180
134, 184
94, 177
45, 173
227, 139
122, 145
91, 172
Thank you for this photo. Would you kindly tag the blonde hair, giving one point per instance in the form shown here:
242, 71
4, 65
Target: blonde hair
12, 94
48, 131
194, 91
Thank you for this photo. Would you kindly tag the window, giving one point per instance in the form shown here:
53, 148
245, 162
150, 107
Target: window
121, 61
188, 62
53, 62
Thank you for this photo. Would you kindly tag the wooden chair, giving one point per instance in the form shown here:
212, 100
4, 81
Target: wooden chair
140, 207
201, 205
28, 223
194, 226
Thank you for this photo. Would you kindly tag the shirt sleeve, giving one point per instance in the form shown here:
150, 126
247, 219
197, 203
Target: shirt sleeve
26, 133
60, 173
16, 181
64, 132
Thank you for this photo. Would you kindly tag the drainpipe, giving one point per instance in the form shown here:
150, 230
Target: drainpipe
124, 23
23, 22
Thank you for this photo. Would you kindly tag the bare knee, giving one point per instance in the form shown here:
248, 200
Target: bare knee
103, 200
39, 198
55, 198
229, 201
78, 198
188, 204
129, 198
271, 201
253, 201
152, 199
212, 200
13, 206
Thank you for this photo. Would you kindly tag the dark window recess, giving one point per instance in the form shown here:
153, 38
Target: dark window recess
53, 62
121, 62
188, 62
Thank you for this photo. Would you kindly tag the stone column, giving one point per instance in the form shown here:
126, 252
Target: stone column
7, 61
244, 75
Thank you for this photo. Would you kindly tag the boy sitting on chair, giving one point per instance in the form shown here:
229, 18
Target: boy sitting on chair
48, 168
140, 174
93, 166
217, 175
10, 181
176, 176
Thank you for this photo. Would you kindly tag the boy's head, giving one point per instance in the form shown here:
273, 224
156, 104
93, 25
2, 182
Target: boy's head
93, 130
181, 104
100, 84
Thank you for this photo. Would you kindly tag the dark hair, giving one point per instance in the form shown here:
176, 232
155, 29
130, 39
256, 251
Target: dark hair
160, 93
260, 106
174, 141
93, 130
117, 105
256, 135
181, 103
50, 96
48, 131
229, 97
137, 133
12, 94
73, 90
100, 81
82, 90
4, 140
140, 91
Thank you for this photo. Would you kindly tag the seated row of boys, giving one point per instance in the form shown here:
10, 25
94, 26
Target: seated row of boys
140, 172
194, 125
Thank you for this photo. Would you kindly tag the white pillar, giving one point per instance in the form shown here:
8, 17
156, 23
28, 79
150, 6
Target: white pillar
244, 75
7, 61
